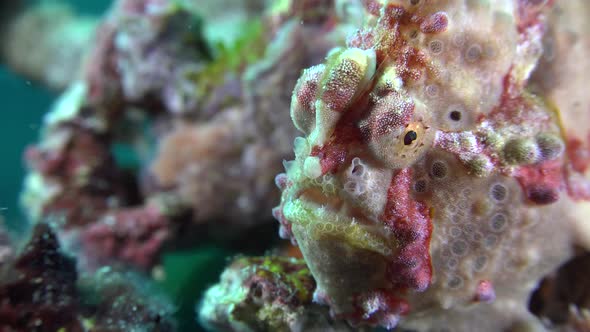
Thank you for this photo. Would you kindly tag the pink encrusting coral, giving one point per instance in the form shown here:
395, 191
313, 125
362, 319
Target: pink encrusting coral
133, 235
430, 176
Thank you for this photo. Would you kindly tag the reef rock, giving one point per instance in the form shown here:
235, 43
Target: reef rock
41, 290
198, 125
266, 294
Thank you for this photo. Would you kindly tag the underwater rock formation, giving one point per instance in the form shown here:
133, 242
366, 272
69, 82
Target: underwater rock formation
40, 290
432, 188
266, 294
443, 171
201, 124
229, 156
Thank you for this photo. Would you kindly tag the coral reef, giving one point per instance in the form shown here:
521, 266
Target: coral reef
430, 177
201, 122
266, 294
39, 291
441, 183
120, 301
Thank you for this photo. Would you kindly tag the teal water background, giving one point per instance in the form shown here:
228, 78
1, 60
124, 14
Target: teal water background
24, 103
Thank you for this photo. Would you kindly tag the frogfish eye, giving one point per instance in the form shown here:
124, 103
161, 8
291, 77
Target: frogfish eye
410, 137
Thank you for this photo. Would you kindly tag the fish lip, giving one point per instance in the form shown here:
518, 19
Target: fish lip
334, 215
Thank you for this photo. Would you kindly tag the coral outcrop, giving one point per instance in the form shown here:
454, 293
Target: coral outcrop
200, 121
430, 177
40, 290
266, 294
441, 182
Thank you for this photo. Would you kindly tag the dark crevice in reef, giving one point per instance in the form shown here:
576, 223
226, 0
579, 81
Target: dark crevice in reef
562, 289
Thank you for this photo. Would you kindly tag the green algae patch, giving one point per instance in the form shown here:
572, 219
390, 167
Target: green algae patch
230, 60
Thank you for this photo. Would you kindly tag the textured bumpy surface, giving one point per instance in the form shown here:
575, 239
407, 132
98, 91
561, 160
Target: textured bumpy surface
198, 126
41, 290
266, 294
430, 178
441, 183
